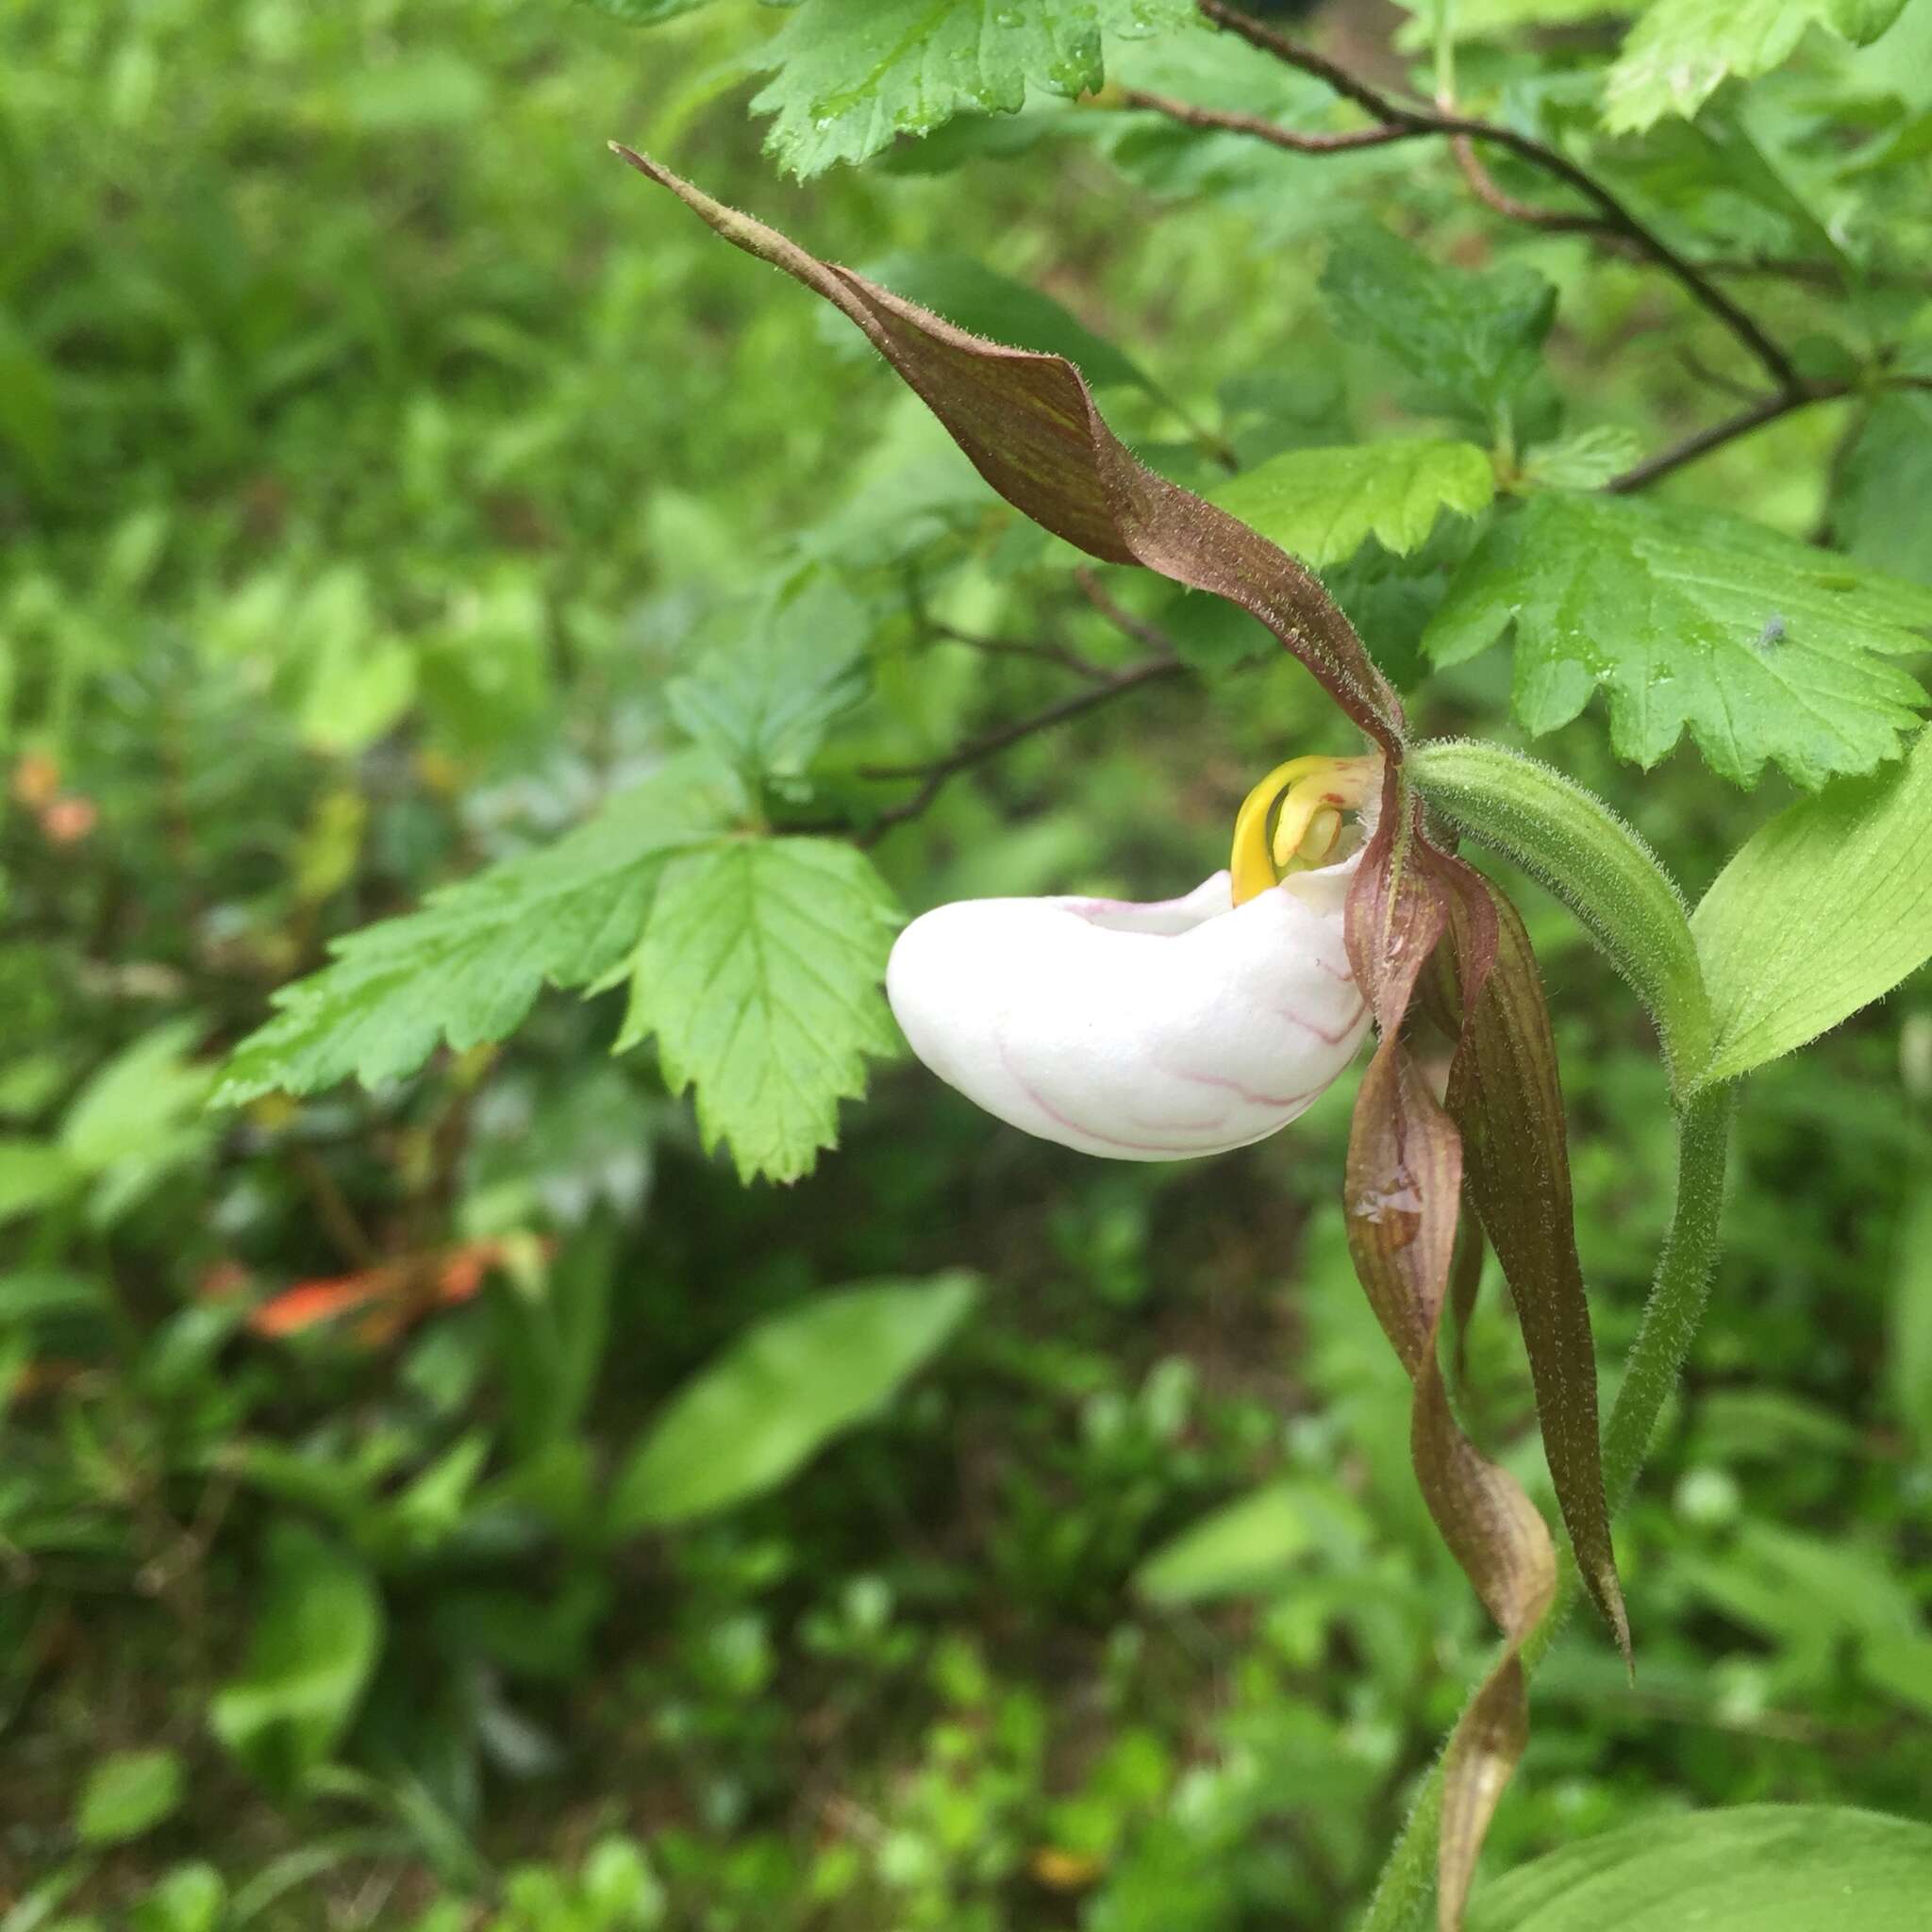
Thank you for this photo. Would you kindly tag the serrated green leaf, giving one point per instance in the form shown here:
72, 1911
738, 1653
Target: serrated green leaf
466, 967
763, 704
310, 1659
1755, 1868
1469, 336
1763, 647
1823, 911
1883, 487
760, 974
1322, 504
853, 74
779, 1393
1680, 51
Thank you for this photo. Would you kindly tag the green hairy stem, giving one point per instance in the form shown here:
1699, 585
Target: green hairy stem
1574, 844
1581, 850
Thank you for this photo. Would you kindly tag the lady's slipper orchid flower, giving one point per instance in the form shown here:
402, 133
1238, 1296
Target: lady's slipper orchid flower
1157, 1032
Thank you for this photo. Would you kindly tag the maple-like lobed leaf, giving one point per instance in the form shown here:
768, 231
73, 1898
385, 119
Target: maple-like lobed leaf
1761, 647
763, 703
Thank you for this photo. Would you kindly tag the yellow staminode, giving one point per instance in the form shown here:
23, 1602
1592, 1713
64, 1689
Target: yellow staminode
1291, 820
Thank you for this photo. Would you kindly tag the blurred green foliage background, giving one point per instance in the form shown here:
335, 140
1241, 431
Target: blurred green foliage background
374, 448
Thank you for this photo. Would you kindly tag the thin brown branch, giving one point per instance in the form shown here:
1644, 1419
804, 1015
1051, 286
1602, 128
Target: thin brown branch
1292, 138
1714, 436
1294, 53
1483, 185
1695, 366
977, 750
1822, 274
934, 774
1140, 629
1042, 651
1818, 275
1612, 217
1164, 661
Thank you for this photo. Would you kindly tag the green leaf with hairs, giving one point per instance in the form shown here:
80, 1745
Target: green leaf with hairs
1323, 503
760, 974
1753, 1868
1760, 646
467, 965
1823, 911
853, 75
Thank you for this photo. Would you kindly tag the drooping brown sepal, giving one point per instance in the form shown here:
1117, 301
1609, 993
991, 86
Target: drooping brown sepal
1506, 1097
1403, 1194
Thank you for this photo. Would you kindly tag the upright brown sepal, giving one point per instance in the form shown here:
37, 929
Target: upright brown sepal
1029, 426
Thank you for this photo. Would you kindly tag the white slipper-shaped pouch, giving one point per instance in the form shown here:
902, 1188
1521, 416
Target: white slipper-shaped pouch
1142, 1032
